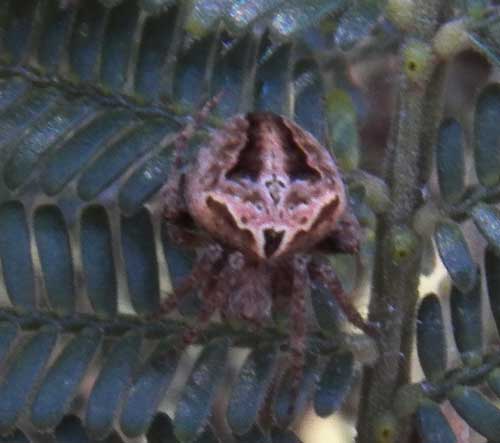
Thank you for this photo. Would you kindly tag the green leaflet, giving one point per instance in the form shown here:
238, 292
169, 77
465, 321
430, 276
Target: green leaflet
450, 158
481, 414
455, 254
486, 144
432, 425
431, 343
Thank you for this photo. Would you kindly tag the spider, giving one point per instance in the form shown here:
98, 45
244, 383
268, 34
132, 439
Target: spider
263, 203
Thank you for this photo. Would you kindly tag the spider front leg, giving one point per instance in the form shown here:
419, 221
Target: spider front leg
175, 210
323, 274
178, 223
203, 271
212, 299
345, 237
215, 295
182, 139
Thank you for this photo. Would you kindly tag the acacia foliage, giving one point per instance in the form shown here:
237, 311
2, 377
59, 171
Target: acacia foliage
92, 94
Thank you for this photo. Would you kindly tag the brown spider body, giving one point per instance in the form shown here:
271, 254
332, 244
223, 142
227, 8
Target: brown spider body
262, 201
265, 187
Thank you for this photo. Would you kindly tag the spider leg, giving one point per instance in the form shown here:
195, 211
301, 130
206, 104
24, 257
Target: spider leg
186, 236
298, 322
202, 271
345, 237
323, 273
213, 299
215, 296
179, 223
182, 139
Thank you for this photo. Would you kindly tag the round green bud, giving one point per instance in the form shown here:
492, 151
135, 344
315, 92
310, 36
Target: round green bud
451, 39
385, 428
401, 13
418, 60
403, 244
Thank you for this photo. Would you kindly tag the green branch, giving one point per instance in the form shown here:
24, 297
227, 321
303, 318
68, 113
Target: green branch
319, 342
399, 248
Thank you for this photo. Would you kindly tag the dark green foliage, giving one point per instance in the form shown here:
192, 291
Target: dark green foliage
450, 158
466, 320
65, 164
49, 127
290, 400
487, 147
465, 297
55, 257
98, 261
477, 202
195, 404
91, 99
249, 392
431, 343
25, 369
147, 389
138, 246
131, 145
92, 96
455, 254
432, 425
487, 220
60, 383
15, 253
477, 411
127, 391
334, 384
8, 334
111, 385
14, 437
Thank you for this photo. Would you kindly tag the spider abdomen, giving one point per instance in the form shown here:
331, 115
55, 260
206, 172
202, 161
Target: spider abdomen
266, 187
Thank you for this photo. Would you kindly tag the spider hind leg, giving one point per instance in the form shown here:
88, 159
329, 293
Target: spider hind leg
324, 275
298, 323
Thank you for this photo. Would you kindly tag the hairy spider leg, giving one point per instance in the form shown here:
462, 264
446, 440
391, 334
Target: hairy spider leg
213, 299
347, 233
185, 236
324, 275
202, 269
172, 193
298, 307
214, 296
298, 324
345, 237
182, 139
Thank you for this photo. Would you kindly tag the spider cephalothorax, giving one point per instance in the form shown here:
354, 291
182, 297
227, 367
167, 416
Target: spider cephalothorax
262, 202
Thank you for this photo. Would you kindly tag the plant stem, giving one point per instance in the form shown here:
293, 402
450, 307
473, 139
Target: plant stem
397, 268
